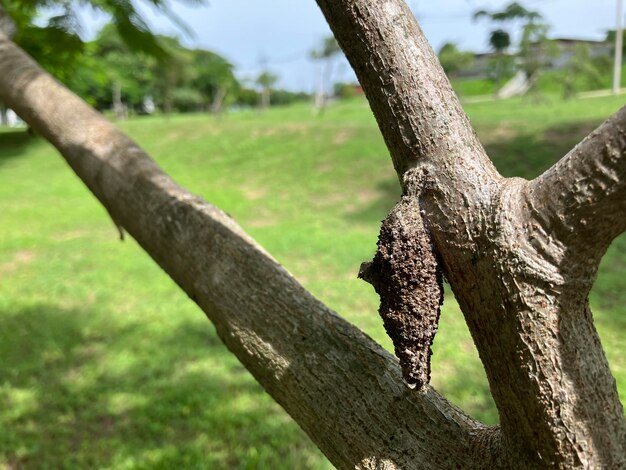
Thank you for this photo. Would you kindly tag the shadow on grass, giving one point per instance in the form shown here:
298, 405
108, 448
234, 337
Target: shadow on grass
13, 143
528, 155
78, 392
376, 210
608, 292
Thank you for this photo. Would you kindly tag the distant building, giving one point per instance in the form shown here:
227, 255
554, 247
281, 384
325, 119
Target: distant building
480, 66
567, 49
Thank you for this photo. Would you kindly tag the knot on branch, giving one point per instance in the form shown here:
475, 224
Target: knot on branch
406, 276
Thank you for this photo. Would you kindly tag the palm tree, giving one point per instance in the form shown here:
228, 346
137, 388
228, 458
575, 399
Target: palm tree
500, 39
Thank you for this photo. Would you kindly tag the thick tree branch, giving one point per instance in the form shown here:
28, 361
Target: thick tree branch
547, 371
530, 320
342, 388
582, 198
417, 111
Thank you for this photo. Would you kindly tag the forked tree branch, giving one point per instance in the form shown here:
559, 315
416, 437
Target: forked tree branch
582, 198
341, 387
529, 318
555, 394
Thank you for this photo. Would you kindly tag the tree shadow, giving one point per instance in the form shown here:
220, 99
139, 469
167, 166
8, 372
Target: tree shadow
374, 211
530, 154
13, 143
76, 395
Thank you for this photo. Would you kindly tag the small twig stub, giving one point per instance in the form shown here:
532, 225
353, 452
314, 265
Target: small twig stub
406, 276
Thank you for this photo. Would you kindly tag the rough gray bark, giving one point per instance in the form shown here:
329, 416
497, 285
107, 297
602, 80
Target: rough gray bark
511, 249
508, 247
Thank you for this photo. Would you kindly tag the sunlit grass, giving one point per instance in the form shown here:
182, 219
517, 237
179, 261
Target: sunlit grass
105, 363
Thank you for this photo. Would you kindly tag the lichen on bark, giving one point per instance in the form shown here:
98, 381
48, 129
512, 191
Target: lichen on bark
406, 276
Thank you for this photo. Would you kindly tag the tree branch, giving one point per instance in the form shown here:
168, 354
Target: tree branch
341, 387
417, 111
582, 198
555, 394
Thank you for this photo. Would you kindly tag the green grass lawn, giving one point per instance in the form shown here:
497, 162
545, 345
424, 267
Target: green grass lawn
104, 363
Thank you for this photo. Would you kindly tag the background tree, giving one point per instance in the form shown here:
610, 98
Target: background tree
172, 72
500, 38
132, 72
266, 81
126, 44
580, 70
214, 79
325, 55
535, 49
454, 60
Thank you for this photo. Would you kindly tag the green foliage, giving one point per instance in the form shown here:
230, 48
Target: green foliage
345, 90
54, 48
286, 97
575, 77
512, 11
247, 97
107, 364
133, 72
182, 80
266, 79
174, 71
610, 38
580, 70
500, 67
535, 50
453, 60
187, 99
57, 44
499, 40
213, 78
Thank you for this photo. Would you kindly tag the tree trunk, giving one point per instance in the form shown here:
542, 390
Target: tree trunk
265, 97
119, 108
520, 256
218, 100
318, 101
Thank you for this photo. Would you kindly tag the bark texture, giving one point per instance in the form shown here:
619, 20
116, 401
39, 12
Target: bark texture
511, 250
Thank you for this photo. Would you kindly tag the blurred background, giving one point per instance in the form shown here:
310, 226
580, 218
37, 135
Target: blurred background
103, 361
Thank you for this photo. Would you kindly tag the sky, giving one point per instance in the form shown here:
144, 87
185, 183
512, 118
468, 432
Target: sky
279, 34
